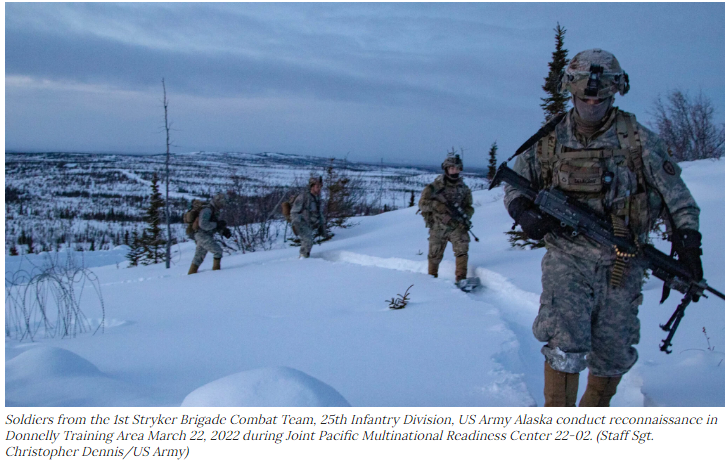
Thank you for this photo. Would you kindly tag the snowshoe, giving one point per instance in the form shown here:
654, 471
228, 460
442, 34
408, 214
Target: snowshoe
469, 284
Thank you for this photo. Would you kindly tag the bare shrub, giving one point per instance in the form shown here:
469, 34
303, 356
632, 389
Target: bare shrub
46, 300
253, 212
686, 125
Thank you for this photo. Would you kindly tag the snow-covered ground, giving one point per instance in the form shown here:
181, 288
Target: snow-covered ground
270, 329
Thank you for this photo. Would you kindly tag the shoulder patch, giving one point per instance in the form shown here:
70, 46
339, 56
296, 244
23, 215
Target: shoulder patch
669, 168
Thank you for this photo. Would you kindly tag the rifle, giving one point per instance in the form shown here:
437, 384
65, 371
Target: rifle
456, 212
584, 221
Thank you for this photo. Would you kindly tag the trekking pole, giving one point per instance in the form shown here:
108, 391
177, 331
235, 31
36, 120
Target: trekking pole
475, 236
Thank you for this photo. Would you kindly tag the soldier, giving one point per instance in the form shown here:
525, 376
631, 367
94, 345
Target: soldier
603, 158
437, 204
306, 215
205, 226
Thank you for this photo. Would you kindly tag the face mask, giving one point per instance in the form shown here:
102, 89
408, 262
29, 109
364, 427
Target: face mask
452, 177
592, 114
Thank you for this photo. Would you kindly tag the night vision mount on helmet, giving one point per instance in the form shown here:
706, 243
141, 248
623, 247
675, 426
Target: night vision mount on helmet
452, 160
594, 74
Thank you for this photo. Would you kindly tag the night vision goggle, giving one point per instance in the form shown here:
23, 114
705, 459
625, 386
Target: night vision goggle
595, 83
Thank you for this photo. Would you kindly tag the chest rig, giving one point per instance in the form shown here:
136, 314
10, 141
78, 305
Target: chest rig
598, 177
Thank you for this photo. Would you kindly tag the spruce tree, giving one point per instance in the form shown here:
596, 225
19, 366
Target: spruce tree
555, 102
135, 249
152, 240
492, 163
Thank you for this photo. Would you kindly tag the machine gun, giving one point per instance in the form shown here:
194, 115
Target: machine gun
457, 213
584, 221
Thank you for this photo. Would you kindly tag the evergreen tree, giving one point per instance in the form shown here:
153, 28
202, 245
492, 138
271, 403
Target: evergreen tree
152, 239
556, 102
492, 163
135, 249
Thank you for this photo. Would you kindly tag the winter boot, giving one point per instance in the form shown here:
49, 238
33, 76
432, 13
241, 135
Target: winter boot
216, 264
193, 269
561, 389
460, 271
433, 269
599, 391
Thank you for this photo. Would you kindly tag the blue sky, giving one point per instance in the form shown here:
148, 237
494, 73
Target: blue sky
399, 82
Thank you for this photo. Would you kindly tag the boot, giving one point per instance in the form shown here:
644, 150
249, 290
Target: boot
460, 271
433, 269
561, 389
193, 269
599, 391
216, 264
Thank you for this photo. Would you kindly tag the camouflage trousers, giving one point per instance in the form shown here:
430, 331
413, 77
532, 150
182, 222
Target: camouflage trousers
584, 321
205, 242
438, 238
306, 236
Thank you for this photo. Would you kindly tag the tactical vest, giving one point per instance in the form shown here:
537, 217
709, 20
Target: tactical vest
583, 173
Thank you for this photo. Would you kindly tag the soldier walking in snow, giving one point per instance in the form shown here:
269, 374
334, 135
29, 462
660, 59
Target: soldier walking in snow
306, 215
443, 204
204, 227
603, 158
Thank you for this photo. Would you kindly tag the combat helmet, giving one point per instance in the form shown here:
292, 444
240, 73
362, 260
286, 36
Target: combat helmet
452, 159
219, 200
594, 74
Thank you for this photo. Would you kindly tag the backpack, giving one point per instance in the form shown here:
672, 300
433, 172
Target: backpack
286, 206
191, 216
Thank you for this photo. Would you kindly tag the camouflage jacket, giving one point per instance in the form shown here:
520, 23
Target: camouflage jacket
307, 210
435, 212
208, 217
617, 182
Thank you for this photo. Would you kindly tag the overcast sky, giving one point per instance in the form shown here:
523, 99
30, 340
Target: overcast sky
402, 82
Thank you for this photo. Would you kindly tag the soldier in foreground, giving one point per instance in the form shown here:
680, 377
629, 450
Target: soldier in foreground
204, 227
306, 215
604, 159
443, 204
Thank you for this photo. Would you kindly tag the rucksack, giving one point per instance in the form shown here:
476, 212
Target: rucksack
191, 216
286, 206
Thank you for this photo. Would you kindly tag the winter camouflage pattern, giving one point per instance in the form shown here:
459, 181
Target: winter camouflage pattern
306, 217
442, 227
583, 320
204, 237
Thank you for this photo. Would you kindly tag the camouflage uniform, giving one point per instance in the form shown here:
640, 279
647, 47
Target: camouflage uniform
583, 320
204, 237
306, 217
442, 227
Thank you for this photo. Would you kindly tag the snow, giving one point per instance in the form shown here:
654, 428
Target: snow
266, 387
273, 330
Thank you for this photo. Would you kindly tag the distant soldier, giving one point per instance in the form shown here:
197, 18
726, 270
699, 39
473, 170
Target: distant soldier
306, 215
204, 227
443, 204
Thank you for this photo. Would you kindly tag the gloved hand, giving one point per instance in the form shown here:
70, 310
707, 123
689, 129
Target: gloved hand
534, 223
226, 232
221, 225
688, 248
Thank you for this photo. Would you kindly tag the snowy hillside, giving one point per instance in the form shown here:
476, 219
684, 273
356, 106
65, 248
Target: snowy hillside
96, 201
270, 329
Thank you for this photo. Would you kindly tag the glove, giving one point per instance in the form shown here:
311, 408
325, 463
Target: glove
221, 225
688, 248
534, 223
226, 232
